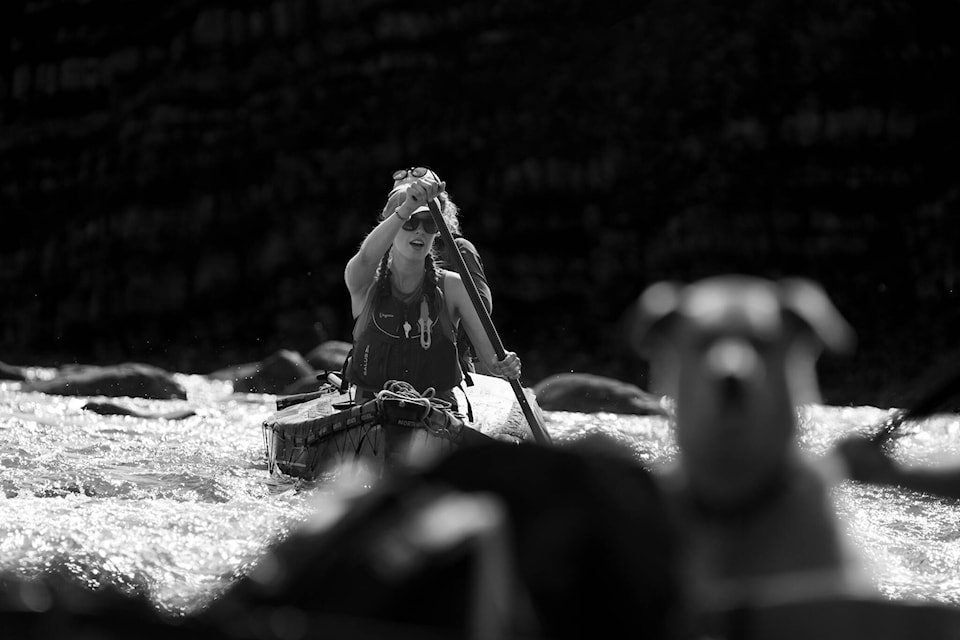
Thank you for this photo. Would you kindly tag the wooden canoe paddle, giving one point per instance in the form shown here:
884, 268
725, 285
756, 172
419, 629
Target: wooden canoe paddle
536, 424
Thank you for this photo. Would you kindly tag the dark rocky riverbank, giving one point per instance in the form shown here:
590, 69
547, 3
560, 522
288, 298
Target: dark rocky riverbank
182, 185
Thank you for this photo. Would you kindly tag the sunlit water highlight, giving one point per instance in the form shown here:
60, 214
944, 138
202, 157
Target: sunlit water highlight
178, 509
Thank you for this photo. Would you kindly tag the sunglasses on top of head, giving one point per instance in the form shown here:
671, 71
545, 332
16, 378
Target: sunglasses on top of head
429, 225
413, 172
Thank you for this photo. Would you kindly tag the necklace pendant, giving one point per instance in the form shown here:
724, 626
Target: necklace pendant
406, 328
426, 323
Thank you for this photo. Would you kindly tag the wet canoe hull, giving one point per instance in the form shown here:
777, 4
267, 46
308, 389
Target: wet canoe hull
308, 439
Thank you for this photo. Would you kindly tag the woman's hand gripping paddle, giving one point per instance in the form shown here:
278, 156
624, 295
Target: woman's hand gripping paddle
536, 424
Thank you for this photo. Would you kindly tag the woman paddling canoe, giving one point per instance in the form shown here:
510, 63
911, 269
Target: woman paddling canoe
471, 258
407, 310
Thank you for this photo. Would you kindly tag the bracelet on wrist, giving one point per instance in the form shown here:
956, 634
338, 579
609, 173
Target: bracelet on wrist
396, 212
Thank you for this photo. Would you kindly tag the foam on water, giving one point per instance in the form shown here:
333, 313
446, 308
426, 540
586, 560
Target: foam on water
171, 508
177, 509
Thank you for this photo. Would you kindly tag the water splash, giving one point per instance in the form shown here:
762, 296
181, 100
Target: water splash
177, 509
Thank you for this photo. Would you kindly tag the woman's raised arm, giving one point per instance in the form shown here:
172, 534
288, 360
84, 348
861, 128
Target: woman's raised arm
362, 267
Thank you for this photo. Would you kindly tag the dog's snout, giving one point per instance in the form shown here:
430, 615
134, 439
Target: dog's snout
733, 359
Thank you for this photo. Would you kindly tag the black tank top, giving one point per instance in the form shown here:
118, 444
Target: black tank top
409, 340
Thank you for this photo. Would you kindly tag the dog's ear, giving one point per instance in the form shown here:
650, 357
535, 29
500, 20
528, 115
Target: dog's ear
649, 315
807, 302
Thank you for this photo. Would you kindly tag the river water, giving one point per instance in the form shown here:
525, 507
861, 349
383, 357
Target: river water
177, 509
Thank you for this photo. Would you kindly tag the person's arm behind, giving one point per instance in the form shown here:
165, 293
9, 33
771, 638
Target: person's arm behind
469, 357
471, 258
463, 307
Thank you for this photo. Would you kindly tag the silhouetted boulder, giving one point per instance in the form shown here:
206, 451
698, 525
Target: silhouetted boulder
308, 384
588, 393
274, 374
10, 372
130, 379
235, 372
111, 409
329, 355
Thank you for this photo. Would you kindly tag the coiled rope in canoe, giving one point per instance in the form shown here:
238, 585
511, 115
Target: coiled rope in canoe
437, 416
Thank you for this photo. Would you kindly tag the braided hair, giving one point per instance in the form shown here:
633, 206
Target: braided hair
383, 276
431, 277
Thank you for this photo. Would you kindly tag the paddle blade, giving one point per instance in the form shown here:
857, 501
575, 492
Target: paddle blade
533, 414
935, 397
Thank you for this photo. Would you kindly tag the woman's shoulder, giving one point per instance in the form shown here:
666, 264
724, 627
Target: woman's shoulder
451, 282
448, 276
463, 243
363, 290
362, 296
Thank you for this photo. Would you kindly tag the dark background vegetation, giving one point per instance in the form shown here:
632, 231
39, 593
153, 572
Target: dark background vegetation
181, 182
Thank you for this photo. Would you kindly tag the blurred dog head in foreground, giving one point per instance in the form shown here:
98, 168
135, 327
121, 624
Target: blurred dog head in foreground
737, 354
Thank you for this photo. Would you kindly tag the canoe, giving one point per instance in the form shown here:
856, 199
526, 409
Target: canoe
310, 438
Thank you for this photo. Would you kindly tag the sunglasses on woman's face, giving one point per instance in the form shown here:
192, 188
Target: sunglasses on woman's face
415, 172
429, 226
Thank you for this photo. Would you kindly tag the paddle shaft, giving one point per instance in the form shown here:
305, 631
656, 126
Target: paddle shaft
536, 426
